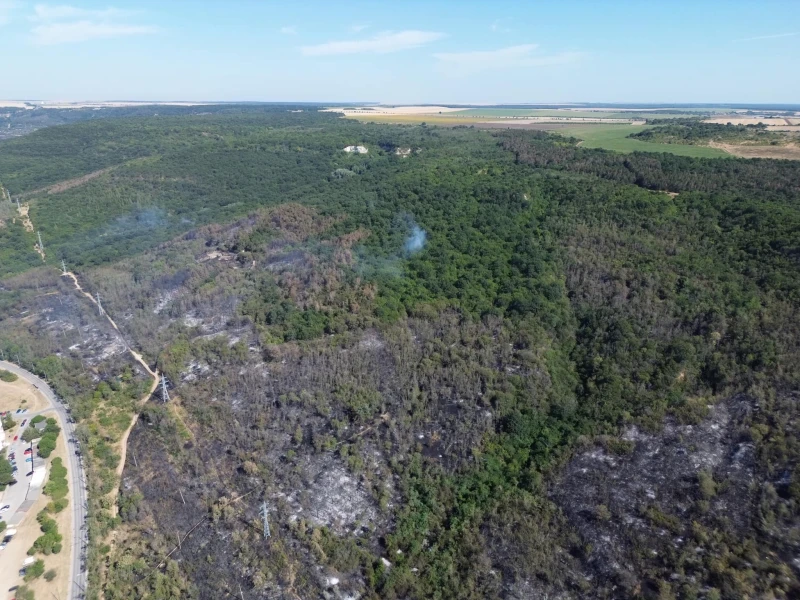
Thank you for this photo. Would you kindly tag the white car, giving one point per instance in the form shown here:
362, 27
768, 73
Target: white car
5, 508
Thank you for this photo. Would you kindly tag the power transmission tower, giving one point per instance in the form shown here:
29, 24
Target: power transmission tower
265, 518
99, 306
63, 267
164, 390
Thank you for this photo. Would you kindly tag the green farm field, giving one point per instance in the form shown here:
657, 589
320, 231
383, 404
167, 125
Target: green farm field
614, 137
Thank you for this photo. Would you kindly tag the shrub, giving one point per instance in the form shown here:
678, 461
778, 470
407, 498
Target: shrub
7, 376
24, 593
35, 570
50, 575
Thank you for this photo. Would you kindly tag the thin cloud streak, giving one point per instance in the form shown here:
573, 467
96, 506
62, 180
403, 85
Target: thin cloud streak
82, 31
381, 43
521, 56
768, 37
63, 24
289, 30
51, 12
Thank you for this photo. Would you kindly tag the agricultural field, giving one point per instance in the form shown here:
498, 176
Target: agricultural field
615, 137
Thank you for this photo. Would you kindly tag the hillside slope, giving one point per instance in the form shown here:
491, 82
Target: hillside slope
430, 365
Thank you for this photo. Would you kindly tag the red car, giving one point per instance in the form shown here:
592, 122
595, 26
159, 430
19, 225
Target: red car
27, 451
15, 437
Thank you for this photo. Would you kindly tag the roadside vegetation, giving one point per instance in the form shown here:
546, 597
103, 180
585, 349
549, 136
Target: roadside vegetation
6, 475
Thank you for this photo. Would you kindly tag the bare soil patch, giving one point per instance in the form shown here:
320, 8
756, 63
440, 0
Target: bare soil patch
26, 220
20, 394
787, 152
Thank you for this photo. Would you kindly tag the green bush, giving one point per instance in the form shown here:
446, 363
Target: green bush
8, 422
50, 575
47, 444
24, 593
56, 486
7, 376
50, 542
34, 571
6, 475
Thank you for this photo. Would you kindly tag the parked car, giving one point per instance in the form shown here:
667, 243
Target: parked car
15, 437
27, 451
5, 508
23, 422
29, 459
29, 474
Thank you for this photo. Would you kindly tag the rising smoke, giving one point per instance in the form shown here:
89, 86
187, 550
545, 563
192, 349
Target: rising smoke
416, 240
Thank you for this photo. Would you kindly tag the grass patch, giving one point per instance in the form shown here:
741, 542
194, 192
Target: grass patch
7, 376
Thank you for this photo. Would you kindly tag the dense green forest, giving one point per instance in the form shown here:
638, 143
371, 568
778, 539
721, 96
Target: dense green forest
449, 335
696, 132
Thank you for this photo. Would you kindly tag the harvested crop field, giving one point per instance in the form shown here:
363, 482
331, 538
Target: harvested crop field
787, 152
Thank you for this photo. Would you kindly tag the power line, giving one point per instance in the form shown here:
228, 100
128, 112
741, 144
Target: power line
164, 391
265, 518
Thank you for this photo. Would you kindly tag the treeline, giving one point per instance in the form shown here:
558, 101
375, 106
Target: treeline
666, 172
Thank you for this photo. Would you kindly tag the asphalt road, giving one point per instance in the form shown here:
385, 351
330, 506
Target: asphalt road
78, 574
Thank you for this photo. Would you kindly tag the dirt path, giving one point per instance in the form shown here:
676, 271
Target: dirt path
23, 210
67, 184
133, 353
154, 374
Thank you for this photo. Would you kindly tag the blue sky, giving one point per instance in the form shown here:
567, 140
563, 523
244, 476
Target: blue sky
402, 51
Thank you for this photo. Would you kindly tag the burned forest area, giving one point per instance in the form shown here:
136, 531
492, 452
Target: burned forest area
499, 365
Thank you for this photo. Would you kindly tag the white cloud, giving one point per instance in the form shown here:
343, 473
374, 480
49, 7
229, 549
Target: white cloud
381, 43
6, 7
465, 63
81, 31
288, 30
358, 27
53, 12
768, 37
63, 24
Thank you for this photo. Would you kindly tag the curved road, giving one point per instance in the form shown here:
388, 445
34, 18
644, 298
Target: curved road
77, 573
